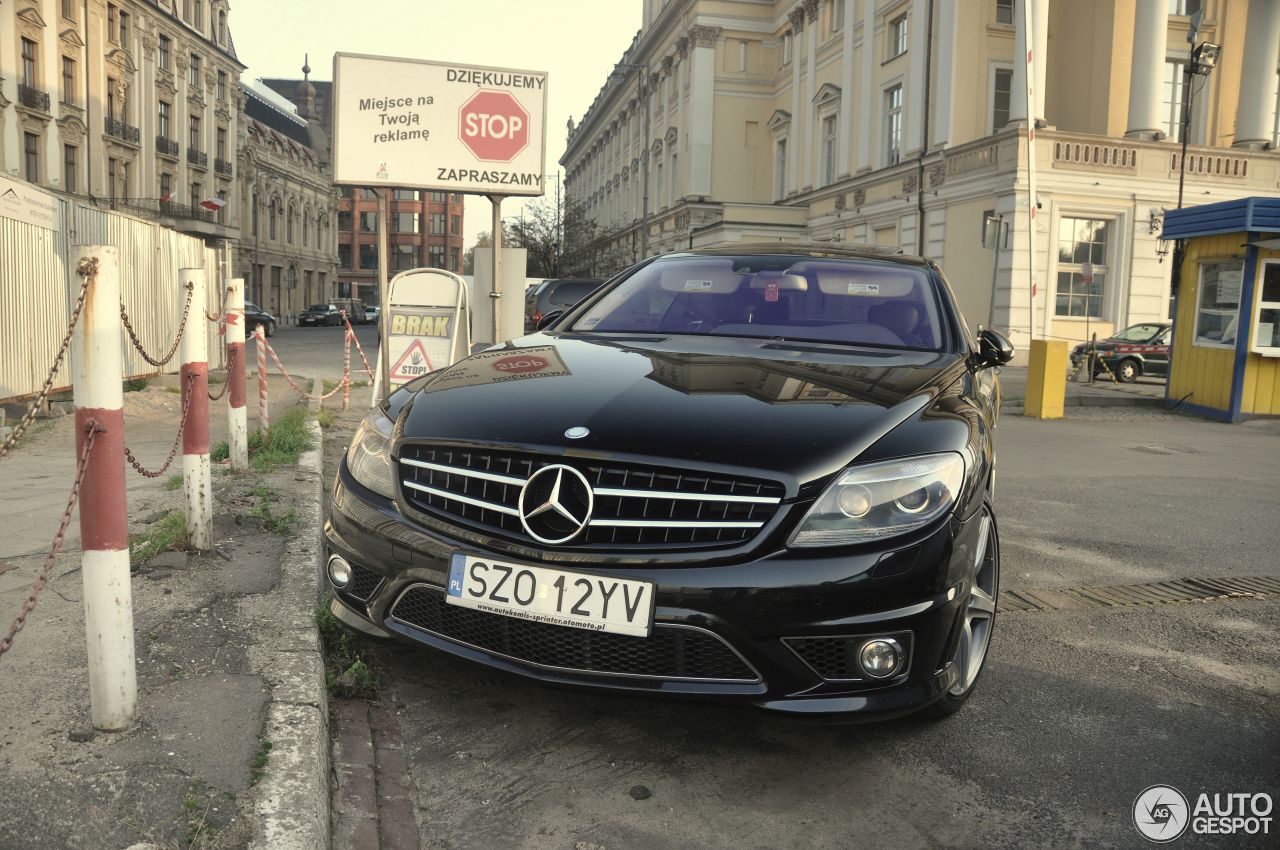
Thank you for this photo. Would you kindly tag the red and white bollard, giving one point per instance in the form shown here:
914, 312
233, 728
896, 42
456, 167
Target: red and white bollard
346, 368
97, 373
237, 420
264, 421
196, 473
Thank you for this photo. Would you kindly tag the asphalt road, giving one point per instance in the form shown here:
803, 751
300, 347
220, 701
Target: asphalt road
1078, 711
316, 352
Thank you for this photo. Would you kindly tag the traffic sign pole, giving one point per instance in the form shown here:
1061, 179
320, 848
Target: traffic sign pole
495, 295
384, 352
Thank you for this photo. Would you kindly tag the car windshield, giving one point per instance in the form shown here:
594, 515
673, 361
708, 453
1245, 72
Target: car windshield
320, 308
856, 302
1139, 333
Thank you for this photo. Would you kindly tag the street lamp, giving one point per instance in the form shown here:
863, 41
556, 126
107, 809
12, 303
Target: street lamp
1202, 59
642, 78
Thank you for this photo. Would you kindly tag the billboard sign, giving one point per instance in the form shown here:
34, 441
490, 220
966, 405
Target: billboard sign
439, 126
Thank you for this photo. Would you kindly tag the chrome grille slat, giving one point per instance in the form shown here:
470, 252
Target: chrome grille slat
635, 505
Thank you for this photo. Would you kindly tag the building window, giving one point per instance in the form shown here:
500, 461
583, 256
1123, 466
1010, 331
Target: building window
404, 257
437, 197
200, 15
69, 167
369, 257
1004, 12
166, 196
1082, 250
31, 156
69, 9
164, 52
1001, 97
455, 259
780, 168
273, 214
898, 36
253, 215
222, 85
405, 222
344, 256
1184, 7
455, 225
222, 27
124, 27
437, 224
405, 195
344, 221
288, 224
113, 23
829, 150
1266, 323
193, 139
197, 194
68, 80
1218, 304
163, 124
893, 125
112, 85
220, 145
368, 222
111, 178
837, 15
29, 76
1174, 91
193, 72
787, 38
306, 232
435, 257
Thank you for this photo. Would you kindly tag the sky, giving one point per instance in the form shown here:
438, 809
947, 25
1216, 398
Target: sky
575, 41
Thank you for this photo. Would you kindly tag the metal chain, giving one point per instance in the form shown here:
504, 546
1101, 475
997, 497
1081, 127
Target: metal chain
88, 270
173, 450
231, 364
280, 366
356, 340
222, 307
182, 326
29, 604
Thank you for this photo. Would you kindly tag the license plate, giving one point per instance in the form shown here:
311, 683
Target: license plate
545, 595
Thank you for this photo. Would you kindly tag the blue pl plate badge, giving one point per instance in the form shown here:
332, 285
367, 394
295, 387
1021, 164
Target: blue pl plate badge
456, 565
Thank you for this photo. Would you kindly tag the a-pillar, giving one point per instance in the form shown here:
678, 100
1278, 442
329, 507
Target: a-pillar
1256, 116
1146, 79
702, 78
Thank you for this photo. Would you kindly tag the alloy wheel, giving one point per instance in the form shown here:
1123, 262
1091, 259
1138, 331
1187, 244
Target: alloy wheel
980, 610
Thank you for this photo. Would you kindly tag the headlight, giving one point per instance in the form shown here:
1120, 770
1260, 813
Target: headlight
879, 500
369, 457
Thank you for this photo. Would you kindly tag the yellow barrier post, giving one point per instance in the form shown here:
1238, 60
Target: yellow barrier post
1046, 379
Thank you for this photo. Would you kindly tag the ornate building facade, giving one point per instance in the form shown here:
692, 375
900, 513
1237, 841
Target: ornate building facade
897, 122
288, 252
133, 104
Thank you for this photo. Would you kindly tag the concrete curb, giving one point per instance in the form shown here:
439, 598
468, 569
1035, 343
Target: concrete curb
1016, 406
292, 803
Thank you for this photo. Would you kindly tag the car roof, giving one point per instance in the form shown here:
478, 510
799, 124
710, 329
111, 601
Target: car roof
823, 250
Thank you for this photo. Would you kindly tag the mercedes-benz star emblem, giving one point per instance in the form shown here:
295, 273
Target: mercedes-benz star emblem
577, 432
555, 504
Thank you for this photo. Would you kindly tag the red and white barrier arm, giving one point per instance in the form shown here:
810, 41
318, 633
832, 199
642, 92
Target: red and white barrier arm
264, 422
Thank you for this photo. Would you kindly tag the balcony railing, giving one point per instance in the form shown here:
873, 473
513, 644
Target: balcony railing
121, 130
33, 98
166, 146
154, 208
223, 166
196, 157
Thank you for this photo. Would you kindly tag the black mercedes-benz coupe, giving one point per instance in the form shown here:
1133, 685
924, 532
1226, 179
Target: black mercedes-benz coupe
761, 474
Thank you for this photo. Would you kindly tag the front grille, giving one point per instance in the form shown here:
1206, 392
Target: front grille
669, 652
635, 505
364, 583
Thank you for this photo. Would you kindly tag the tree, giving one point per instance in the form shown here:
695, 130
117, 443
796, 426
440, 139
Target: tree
561, 241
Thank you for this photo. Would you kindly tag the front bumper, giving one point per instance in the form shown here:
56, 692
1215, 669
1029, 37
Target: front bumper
777, 630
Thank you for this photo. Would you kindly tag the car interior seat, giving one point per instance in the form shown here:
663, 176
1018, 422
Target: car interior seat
900, 317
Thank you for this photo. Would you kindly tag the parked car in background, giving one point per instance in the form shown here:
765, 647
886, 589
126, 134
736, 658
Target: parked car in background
255, 318
371, 313
1141, 349
320, 314
757, 474
555, 294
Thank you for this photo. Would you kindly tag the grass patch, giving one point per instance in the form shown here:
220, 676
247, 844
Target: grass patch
327, 386
133, 385
347, 673
288, 439
173, 482
169, 534
219, 452
281, 524
173, 390
259, 764
324, 418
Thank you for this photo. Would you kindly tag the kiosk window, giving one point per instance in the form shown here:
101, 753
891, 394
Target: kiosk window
1266, 325
1218, 307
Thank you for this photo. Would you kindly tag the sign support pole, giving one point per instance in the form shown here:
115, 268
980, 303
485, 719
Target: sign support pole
495, 294
384, 262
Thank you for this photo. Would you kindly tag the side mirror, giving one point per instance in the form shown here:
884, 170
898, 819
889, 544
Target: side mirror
549, 318
994, 349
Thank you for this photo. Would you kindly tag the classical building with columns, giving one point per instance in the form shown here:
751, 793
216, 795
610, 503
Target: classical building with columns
900, 123
132, 104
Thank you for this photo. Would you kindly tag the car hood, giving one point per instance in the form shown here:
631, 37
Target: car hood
792, 410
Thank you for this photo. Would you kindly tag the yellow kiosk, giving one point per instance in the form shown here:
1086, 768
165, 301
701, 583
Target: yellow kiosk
1225, 359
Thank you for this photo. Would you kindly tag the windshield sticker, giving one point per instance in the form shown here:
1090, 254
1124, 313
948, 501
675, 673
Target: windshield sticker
864, 289
590, 321
697, 286
771, 291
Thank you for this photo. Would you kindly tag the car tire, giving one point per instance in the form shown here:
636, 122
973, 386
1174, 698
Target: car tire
1128, 371
980, 608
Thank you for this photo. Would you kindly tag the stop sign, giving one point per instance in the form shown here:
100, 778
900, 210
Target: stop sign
494, 126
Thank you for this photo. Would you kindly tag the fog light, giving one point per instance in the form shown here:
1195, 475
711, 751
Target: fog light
881, 658
339, 572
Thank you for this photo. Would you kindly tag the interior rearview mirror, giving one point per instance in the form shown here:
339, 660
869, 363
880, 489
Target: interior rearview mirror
994, 349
